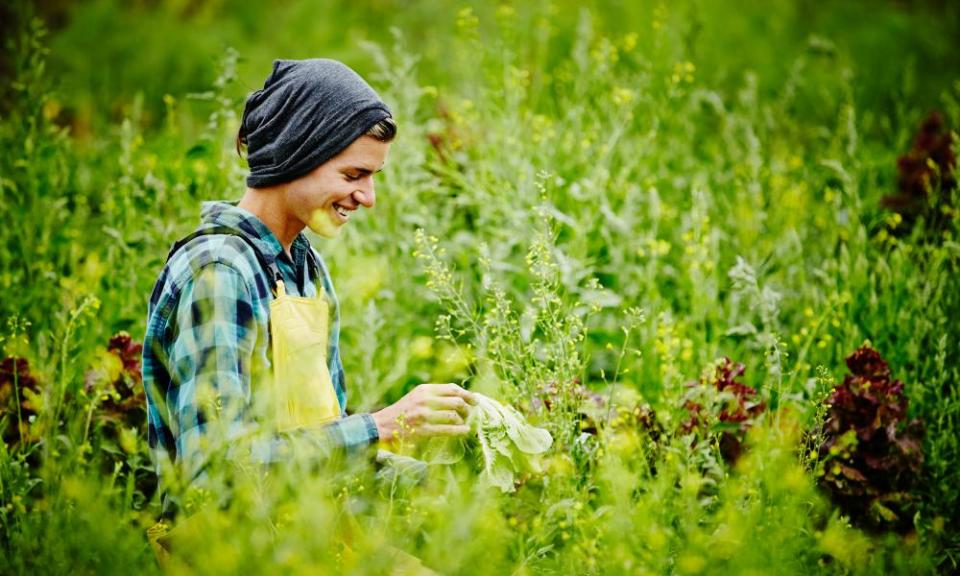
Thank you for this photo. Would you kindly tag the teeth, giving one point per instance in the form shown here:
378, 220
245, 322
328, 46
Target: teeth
341, 211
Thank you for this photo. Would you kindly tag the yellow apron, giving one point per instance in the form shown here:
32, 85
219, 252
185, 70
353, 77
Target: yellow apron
302, 393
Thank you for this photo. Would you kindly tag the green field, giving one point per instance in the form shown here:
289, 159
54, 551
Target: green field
588, 208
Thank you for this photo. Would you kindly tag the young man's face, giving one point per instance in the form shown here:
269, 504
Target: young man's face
323, 199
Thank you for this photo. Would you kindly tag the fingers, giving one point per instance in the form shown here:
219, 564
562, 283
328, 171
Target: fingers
445, 417
454, 403
445, 430
437, 410
454, 390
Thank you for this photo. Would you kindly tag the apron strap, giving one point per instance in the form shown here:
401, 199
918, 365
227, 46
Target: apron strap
271, 269
314, 269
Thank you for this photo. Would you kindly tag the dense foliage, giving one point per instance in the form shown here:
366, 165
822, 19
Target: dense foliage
589, 210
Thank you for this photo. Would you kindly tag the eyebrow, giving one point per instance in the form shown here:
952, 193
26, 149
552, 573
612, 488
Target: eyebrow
362, 169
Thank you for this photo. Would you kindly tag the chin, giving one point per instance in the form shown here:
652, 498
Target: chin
322, 224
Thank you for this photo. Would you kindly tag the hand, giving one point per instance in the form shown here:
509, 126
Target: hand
427, 410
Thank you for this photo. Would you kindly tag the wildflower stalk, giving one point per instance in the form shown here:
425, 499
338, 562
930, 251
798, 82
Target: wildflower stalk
89, 304
440, 281
17, 325
634, 317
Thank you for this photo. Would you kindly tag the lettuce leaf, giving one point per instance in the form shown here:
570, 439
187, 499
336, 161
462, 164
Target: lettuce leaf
507, 441
508, 444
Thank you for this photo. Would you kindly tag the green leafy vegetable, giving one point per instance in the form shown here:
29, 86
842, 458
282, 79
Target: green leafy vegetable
507, 443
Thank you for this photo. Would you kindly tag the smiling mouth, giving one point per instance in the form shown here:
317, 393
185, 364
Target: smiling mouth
341, 211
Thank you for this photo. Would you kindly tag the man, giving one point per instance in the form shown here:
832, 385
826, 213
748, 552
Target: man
223, 371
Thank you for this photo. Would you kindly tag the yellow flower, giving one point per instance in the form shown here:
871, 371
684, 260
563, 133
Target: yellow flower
623, 96
51, 109
452, 362
128, 440
691, 564
421, 347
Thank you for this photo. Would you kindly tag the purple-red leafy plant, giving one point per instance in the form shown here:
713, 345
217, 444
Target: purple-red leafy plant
119, 412
871, 454
927, 176
589, 404
19, 401
719, 403
122, 401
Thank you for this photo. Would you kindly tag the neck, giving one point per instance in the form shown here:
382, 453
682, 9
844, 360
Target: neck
267, 205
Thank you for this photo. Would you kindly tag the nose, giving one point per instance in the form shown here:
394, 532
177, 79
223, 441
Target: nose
366, 196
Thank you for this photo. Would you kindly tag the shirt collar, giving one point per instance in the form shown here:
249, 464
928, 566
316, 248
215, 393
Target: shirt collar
227, 213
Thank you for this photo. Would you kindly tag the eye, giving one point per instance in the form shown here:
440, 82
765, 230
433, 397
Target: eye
352, 177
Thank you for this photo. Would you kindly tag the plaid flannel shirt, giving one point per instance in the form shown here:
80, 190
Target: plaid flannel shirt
207, 338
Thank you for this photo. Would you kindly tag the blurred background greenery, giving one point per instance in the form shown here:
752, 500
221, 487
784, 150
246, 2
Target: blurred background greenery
105, 52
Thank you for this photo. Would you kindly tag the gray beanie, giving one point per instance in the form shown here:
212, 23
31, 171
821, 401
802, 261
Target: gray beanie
307, 112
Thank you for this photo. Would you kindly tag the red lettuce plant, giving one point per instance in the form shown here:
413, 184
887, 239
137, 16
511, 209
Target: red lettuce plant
119, 412
589, 405
871, 454
122, 401
718, 402
19, 401
927, 169
599, 419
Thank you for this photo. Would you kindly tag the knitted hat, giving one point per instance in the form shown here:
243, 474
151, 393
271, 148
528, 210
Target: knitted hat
307, 112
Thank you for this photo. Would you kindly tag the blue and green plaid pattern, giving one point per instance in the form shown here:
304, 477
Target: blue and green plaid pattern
208, 337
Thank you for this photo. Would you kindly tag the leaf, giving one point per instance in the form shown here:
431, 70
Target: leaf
527, 438
499, 473
441, 450
200, 150
852, 473
506, 440
398, 468
742, 330
884, 512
